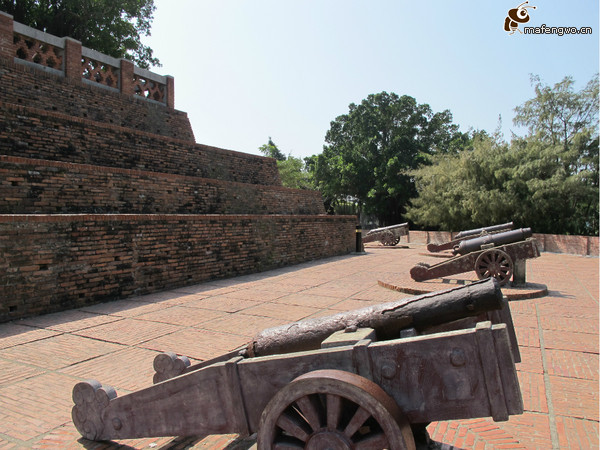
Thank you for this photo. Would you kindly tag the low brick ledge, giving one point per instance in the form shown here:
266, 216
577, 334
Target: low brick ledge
136, 172
107, 126
57, 218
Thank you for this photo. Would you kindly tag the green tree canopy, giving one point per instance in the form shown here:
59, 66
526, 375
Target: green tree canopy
369, 151
547, 180
108, 26
557, 114
293, 173
271, 150
292, 170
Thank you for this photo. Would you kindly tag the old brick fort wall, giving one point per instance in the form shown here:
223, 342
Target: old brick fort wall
54, 262
34, 186
34, 133
105, 194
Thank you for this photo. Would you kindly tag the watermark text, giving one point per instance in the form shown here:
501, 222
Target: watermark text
561, 31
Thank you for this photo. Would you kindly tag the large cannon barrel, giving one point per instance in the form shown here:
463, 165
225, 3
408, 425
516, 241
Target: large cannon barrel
507, 237
387, 318
490, 229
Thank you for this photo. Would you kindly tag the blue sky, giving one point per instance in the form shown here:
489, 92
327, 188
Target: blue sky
249, 69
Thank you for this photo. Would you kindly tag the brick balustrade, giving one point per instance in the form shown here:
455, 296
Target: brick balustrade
67, 57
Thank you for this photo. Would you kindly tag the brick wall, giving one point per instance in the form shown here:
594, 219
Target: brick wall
21, 84
50, 263
33, 186
104, 195
34, 133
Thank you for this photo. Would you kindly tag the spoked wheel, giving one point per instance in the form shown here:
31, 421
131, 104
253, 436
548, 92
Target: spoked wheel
494, 263
333, 409
389, 239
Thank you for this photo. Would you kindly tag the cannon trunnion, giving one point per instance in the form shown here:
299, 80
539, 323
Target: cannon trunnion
360, 389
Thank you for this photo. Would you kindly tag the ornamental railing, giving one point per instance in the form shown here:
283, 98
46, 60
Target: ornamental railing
68, 58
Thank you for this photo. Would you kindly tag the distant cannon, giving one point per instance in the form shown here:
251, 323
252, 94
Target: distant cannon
388, 236
469, 234
492, 255
367, 378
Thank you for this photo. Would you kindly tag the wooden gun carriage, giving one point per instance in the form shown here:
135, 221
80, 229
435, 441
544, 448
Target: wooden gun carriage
491, 255
469, 234
388, 236
371, 378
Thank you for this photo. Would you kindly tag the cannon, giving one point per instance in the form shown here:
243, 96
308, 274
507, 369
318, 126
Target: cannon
371, 378
494, 255
388, 236
469, 234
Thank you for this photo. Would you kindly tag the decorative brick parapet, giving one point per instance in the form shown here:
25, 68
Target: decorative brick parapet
46, 90
67, 57
55, 262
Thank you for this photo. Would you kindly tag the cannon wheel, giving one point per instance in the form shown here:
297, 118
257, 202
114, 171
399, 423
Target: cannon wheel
494, 263
333, 409
390, 239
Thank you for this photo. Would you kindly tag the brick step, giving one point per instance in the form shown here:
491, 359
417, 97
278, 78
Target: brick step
50, 263
33, 186
31, 132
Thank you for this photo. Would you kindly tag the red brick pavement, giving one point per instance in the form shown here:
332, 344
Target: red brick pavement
42, 358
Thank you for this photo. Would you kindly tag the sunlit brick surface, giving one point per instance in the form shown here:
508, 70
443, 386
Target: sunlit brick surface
42, 358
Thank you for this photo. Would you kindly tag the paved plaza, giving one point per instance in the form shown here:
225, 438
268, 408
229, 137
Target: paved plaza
42, 358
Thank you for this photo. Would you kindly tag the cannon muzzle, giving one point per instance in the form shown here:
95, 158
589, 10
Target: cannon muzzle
507, 237
387, 319
490, 229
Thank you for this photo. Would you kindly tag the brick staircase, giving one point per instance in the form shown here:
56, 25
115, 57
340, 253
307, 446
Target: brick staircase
105, 194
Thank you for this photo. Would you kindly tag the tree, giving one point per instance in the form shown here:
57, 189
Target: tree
461, 191
271, 150
547, 180
292, 170
293, 173
556, 115
369, 151
111, 27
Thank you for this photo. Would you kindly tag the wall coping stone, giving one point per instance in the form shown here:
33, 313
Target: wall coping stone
38, 35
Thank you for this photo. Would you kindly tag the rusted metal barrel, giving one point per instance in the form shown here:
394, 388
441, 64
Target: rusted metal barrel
490, 229
387, 318
507, 237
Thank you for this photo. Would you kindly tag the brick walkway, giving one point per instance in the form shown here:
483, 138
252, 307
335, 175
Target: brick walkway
42, 358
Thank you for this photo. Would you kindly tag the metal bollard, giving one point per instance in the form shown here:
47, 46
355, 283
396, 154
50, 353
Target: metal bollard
359, 244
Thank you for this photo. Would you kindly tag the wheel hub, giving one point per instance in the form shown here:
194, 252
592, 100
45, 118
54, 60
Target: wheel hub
328, 440
494, 269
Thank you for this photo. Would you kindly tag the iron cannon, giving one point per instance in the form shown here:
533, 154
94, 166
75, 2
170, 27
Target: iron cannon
469, 234
371, 378
493, 255
506, 237
388, 236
